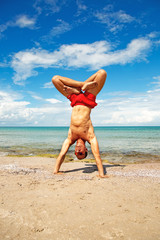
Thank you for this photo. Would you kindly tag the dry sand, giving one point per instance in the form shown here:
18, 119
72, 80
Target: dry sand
35, 204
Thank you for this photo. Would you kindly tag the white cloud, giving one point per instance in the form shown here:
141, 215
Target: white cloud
81, 7
58, 30
15, 112
131, 109
49, 6
124, 17
3, 28
3, 64
37, 97
157, 82
114, 21
94, 56
22, 21
118, 109
53, 100
48, 85
61, 28
11, 108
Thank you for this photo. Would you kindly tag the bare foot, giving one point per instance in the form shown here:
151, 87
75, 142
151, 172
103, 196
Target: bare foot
60, 172
89, 85
71, 90
103, 176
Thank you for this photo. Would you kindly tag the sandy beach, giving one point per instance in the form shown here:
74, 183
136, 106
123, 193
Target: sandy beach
35, 204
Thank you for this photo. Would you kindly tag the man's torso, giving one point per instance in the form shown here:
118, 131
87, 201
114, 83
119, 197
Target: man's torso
81, 125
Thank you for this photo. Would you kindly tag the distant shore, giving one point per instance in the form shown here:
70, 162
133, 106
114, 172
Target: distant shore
36, 204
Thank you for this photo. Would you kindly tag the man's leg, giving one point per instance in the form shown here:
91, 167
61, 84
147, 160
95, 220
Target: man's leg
99, 79
66, 86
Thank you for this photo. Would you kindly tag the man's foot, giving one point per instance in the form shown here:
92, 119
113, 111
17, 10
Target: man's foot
58, 173
71, 90
103, 176
89, 85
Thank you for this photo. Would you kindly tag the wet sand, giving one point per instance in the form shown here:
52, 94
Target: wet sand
35, 204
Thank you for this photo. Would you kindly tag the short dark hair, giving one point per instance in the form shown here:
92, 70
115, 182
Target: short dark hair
86, 153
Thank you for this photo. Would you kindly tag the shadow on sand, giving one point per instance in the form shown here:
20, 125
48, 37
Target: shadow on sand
90, 168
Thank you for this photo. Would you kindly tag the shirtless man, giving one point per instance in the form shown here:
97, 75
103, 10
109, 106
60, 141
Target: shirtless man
82, 96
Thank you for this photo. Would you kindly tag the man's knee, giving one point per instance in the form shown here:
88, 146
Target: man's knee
55, 79
103, 73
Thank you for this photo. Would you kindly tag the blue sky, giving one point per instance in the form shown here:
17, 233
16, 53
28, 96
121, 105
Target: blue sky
74, 38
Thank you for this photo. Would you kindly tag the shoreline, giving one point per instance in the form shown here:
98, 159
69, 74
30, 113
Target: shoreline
108, 158
112, 158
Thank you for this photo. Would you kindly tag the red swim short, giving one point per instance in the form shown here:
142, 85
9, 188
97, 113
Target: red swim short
86, 99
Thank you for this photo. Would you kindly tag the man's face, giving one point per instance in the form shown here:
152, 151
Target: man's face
81, 150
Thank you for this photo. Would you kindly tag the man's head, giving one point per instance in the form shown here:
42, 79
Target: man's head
80, 149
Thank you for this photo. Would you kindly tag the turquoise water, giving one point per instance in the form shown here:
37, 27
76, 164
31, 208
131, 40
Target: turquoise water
117, 144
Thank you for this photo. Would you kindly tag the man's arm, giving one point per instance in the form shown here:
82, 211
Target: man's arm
95, 151
67, 143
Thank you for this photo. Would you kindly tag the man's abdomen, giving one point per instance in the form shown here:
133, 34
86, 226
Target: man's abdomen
80, 121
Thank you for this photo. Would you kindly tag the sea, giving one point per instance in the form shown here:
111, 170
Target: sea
117, 144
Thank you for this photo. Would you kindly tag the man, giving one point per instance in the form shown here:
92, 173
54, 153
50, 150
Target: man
82, 96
